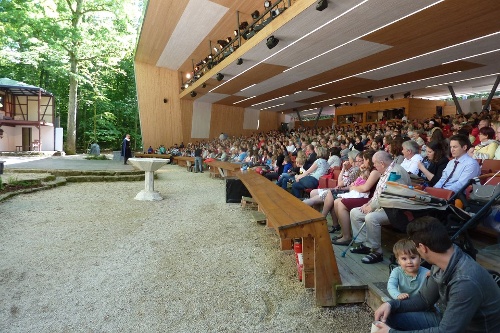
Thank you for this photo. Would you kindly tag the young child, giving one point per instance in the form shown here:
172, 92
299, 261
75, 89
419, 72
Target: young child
406, 279
363, 176
285, 177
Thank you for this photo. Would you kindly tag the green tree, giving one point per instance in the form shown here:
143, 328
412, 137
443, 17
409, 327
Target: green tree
67, 44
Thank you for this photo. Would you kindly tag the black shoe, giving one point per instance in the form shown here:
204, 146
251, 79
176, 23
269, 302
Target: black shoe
372, 258
334, 228
361, 249
201, 171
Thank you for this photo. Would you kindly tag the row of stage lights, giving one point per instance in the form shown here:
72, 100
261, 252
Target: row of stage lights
227, 46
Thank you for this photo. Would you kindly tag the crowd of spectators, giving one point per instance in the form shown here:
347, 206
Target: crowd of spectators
389, 135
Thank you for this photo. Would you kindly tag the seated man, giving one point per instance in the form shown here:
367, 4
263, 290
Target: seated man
461, 168
467, 293
412, 156
371, 213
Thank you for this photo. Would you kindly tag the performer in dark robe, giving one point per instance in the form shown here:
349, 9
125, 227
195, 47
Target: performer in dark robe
126, 149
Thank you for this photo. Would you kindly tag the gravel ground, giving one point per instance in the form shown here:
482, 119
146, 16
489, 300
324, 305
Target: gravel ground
87, 257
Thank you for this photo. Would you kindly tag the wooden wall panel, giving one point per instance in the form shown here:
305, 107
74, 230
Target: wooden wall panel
310, 124
161, 123
229, 119
421, 108
269, 121
495, 103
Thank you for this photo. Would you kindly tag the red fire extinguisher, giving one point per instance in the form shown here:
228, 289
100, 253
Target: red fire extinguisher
299, 258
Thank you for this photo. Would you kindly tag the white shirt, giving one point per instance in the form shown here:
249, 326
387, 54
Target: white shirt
411, 165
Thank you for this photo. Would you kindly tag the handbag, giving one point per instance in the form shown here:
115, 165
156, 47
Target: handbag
484, 193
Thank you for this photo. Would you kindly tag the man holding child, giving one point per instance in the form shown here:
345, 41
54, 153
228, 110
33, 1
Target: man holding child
468, 294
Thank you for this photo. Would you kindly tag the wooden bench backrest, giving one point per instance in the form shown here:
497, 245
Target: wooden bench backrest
225, 165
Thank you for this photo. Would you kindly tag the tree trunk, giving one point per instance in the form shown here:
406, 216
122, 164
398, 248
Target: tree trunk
72, 106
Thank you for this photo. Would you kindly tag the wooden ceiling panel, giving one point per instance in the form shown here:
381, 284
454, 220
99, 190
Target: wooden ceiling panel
152, 40
452, 16
257, 74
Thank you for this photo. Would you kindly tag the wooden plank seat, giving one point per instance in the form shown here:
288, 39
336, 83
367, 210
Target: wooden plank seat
225, 169
292, 219
185, 161
142, 155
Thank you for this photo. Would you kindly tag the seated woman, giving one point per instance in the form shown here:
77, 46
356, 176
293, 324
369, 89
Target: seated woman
310, 177
363, 177
340, 208
438, 161
487, 146
348, 174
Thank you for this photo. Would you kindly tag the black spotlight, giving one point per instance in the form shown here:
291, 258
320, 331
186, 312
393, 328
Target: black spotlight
165, 100
193, 93
392, 96
219, 76
239, 61
322, 4
272, 42
255, 15
243, 25
203, 85
386, 99
407, 95
371, 98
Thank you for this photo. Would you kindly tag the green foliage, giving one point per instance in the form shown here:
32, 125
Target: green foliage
87, 45
97, 158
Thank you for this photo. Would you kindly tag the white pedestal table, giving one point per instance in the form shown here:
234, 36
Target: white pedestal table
149, 166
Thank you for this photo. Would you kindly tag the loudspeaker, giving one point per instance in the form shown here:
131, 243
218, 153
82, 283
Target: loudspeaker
235, 190
322, 4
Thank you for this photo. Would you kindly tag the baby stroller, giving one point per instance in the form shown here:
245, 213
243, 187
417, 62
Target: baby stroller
403, 204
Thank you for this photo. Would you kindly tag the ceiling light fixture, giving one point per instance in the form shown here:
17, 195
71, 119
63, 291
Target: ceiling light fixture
463, 80
246, 99
239, 61
270, 107
272, 42
219, 76
270, 100
267, 4
193, 93
250, 86
255, 15
203, 85
472, 56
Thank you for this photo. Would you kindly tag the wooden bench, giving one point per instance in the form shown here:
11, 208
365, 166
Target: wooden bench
292, 219
225, 169
186, 161
142, 155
